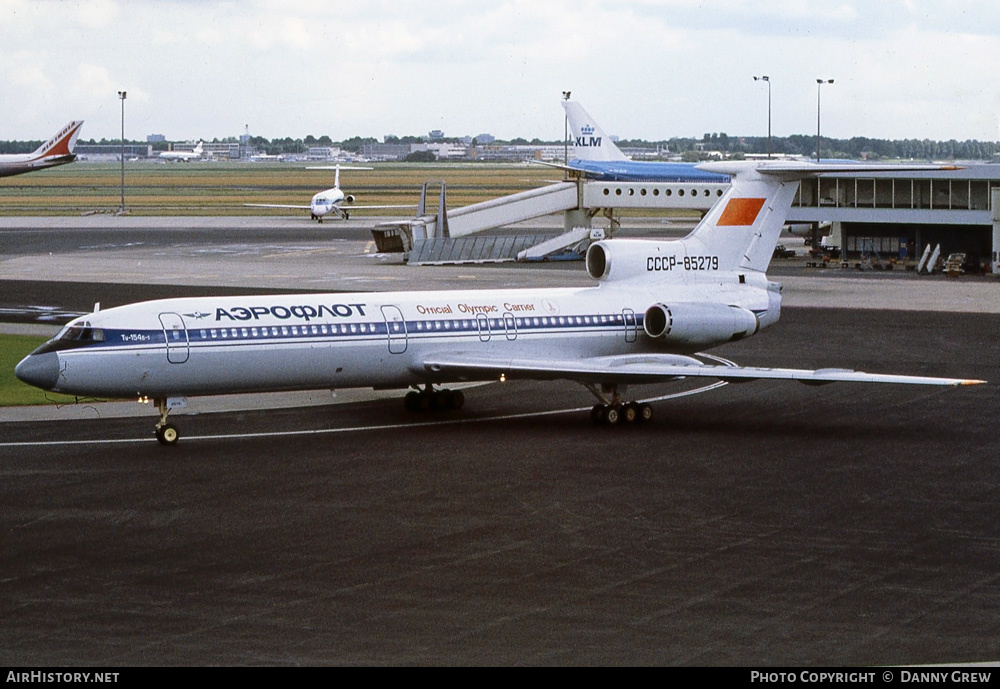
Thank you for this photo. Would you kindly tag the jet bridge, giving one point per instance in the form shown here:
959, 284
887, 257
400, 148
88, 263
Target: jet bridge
440, 235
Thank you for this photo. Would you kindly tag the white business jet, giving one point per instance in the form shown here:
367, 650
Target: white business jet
329, 200
184, 156
654, 305
56, 151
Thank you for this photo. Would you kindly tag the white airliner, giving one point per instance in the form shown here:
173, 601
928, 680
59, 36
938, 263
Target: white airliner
56, 151
329, 200
184, 156
654, 305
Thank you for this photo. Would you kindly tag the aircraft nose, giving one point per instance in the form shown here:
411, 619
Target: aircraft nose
40, 370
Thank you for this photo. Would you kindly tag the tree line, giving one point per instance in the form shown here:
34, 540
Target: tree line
855, 148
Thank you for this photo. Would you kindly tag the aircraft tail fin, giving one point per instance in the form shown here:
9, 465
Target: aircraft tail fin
738, 234
590, 142
742, 228
62, 144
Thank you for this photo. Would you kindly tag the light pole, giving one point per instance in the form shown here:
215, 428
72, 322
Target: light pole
566, 131
121, 96
819, 84
768, 80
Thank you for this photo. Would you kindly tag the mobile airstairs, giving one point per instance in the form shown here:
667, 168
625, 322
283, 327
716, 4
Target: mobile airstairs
439, 235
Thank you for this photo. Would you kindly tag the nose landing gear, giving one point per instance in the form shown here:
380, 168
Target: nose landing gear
166, 433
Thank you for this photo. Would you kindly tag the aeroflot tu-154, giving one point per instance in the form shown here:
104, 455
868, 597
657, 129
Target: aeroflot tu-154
654, 305
56, 151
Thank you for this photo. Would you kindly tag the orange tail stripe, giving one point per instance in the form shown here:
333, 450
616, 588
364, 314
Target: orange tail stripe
741, 212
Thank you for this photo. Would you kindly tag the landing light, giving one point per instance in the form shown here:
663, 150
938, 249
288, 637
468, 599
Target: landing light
503, 377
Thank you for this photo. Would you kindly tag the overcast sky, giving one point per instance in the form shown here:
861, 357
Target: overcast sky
647, 69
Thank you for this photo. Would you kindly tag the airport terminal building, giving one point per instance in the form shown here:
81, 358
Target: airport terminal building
897, 215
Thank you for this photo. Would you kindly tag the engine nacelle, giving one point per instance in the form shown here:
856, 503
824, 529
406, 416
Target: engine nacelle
626, 258
349, 198
698, 325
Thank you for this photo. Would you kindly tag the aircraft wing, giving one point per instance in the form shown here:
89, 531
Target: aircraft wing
346, 207
653, 368
352, 207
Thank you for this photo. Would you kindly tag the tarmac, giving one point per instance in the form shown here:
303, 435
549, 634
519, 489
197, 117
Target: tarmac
753, 525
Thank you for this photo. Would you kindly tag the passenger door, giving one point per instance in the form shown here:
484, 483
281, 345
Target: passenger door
176, 336
396, 328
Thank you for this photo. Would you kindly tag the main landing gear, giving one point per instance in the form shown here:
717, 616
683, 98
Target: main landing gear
433, 400
166, 433
612, 411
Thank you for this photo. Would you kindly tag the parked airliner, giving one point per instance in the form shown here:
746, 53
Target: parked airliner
56, 151
184, 156
329, 200
655, 304
597, 157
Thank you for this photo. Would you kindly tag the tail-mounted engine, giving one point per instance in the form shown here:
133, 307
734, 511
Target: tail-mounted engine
699, 324
627, 258
349, 198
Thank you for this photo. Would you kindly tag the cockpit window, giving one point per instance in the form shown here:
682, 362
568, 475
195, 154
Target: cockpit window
72, 336
82, 334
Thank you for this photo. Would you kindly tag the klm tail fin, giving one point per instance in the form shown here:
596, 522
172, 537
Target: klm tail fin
590, 141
